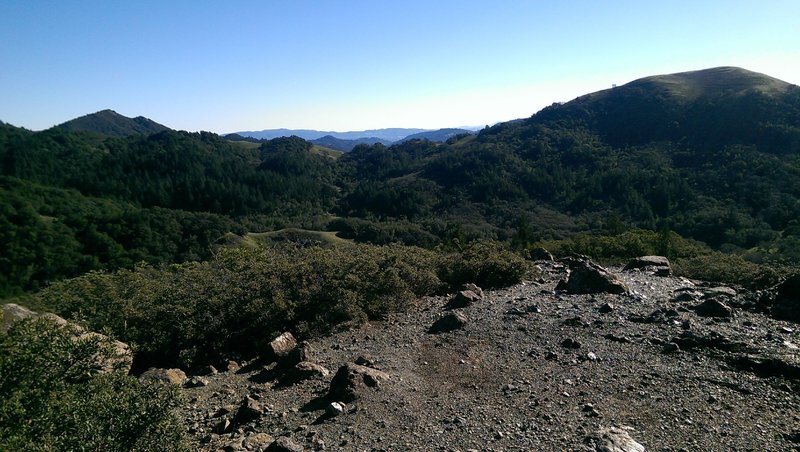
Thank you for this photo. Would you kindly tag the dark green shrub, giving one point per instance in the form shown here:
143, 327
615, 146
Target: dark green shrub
195, 313
487, 264
621, 247
731, 269
50, 401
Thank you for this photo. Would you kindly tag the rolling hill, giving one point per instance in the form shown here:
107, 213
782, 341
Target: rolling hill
344, 145
712, 107
111, 123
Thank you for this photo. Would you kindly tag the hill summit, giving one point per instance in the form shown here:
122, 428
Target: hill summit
108, 122
711, 107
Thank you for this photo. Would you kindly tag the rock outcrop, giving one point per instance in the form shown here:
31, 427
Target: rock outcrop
614, 439
787, 302
586, 277
120, 358
449, 322
281, 346
659, 264
541, 254
353, 381
463, 299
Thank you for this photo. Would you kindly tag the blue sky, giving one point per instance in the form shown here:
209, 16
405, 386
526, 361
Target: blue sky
354, 65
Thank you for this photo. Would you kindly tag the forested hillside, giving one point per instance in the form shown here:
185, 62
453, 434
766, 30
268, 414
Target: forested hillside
712, 155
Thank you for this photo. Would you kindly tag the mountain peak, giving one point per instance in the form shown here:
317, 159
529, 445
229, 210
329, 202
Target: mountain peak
109, 122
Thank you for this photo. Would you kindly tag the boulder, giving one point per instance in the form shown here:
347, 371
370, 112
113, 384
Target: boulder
281, 346
121, 357
614, 439
352, 381
232, 366
448, 322
541, 254
305, 370
257, 440
787, 300
658, 263
718, 291
301, 352
713, 307
786, 309
463, 299
249, 410
589, 278
474, 289
284, 444
171, 376
13, 312
790, 287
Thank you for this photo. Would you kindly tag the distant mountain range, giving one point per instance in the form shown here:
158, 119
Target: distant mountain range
343, 145
111, 123
440, 135
335, 140
390, 135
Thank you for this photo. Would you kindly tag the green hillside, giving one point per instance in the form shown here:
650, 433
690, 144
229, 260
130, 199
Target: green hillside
711, 155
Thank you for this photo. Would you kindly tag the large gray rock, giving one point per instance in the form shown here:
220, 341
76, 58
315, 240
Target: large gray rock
787, 301
463, 299
614, 439
541, 254
284, 444
352, 381
589, 278
120, 358
13, 313
713, 307
305, 370
449, 322
659, 263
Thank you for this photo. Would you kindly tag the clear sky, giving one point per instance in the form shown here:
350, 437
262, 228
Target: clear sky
226, 66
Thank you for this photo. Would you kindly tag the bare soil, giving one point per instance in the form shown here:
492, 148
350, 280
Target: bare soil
536, 369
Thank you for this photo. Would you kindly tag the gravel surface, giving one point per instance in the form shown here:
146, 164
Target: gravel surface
532, 369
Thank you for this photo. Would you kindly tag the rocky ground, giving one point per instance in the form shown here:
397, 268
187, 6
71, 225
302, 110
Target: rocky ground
673, 364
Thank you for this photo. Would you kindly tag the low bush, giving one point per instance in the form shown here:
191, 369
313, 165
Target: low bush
195, 313
731, 269
50, 399
620, 247
487, 264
